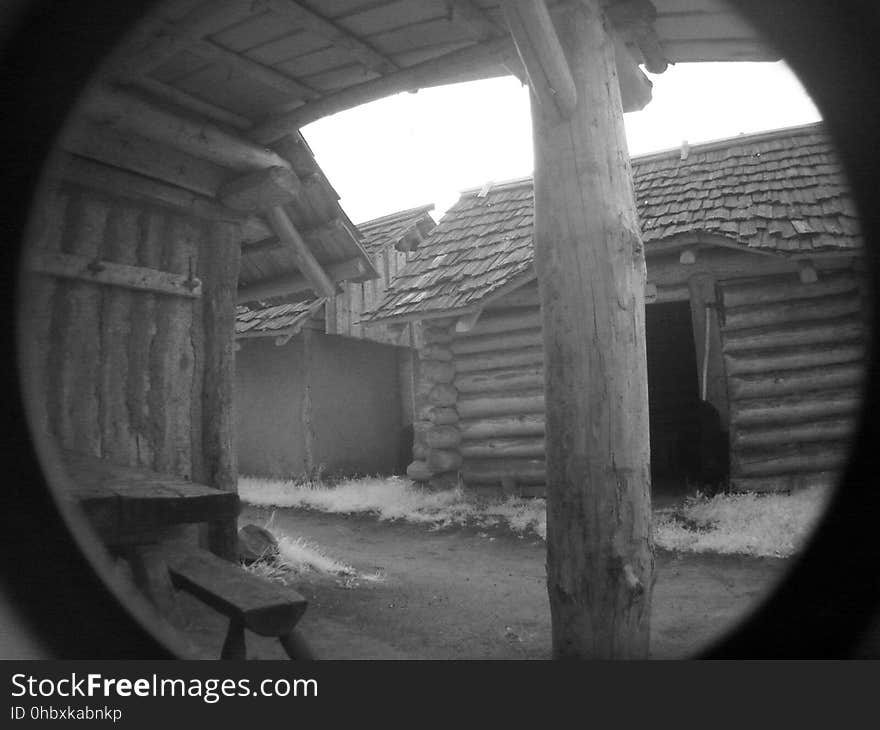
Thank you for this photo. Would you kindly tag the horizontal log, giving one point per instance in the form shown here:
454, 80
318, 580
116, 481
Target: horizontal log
420, 452
776, 289
798, 310
525, 296
809, 458
500, 381
504, 448
795, 381
261, 190
436, 371
143, 156
504, 405
436, 352
488, 343
813, 333
433, 335
120, 183
507, 321
443, 395
441, 460
419, 471
442, 437
793, 408
493, 471
836, 429
71, 266
502, 426
745, 363
785, 482
480, 361
444, 416
129, 112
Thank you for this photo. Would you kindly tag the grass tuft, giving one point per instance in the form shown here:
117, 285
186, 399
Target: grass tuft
750, 524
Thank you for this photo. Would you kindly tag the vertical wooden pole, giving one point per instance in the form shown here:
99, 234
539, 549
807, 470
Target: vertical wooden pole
218, 270
591, 273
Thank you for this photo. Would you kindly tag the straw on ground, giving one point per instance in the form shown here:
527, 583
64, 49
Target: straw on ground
774, 525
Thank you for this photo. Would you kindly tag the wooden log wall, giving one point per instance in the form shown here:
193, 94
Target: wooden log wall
794, 355
356, 298
436, 436
134, 376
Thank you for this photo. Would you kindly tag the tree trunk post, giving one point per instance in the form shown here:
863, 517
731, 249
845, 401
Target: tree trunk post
591, 273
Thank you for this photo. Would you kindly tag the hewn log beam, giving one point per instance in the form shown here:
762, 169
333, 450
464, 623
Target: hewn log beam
280, 222
542, 56
143, 156
261, 190
128, 185
334, 34
591, 275
295, 283
192, 104
412, 78
129, 112
635, 19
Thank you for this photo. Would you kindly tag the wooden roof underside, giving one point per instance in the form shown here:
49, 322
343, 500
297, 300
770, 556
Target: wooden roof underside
264, 65
203, 92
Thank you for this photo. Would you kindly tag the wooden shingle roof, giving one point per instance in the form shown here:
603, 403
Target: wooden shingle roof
780, 192
278, 317
392, 230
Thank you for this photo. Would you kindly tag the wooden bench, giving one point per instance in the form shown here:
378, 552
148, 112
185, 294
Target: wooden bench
250, 602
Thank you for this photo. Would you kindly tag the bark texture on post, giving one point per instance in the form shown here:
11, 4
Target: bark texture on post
591, 273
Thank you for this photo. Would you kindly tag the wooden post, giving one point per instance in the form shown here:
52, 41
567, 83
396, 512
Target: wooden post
218, 269
591, 274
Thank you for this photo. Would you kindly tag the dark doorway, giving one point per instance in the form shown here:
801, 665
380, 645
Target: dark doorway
673, 396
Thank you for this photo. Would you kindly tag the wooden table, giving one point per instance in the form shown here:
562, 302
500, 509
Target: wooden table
126, 505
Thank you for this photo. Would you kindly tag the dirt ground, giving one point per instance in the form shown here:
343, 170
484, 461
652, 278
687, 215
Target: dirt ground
463, 593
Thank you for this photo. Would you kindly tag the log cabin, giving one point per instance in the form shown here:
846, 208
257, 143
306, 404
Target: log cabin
754, 305
186, 148
297, 362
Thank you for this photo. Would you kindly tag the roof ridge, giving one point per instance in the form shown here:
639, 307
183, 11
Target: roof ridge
670, 152
389, 217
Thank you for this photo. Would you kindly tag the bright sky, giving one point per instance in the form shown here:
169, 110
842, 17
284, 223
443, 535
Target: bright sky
414, 149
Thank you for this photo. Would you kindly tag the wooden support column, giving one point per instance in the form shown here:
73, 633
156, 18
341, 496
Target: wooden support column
591, 274
218, 270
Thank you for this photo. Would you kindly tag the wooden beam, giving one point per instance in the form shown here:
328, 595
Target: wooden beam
141, 155
590, 264
635, 19
295, 283
542, 56
159, 40
311, 235
334, 34
192, 104
635, 88
129, 112
261, 190
412, 78
71, 266
280, 222
116, 182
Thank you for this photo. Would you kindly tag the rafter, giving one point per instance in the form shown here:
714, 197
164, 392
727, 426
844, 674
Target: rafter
287, 233
294, 283
473, 20
412, 78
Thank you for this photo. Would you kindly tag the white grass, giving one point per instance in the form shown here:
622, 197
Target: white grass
769, 525
399, 499
750, 524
